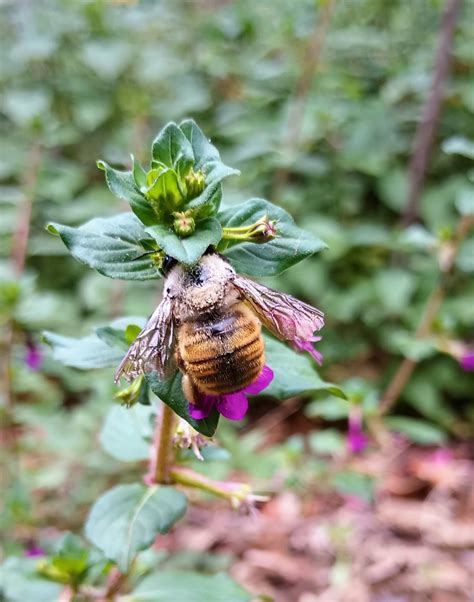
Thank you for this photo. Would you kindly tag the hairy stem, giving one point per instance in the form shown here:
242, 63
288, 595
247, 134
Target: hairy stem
162, 447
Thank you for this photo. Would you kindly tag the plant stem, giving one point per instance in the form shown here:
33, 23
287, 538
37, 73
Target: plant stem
21, 234
296, 111
162, 447
405, 370
227, 490
425, 133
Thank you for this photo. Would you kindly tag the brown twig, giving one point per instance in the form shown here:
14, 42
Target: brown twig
21, 234
405, 370
309, 66
426, 129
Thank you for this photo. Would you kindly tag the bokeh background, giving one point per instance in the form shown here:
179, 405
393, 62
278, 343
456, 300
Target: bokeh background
317, 103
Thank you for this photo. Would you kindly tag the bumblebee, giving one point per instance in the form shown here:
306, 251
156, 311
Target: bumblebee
209, 326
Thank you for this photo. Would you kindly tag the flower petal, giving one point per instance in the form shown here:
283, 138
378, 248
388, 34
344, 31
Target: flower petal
233, 406
467, 361
263, 380
203, 406
305, 345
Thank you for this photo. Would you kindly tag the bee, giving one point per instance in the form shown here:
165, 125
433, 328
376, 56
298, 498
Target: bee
209, 326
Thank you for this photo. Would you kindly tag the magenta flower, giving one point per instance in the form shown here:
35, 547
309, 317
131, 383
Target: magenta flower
233, 406
356, 438
33, 357
306, 345
467, 360
33, 551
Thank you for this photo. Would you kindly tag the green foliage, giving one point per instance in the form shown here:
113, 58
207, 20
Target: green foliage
291, 245
187, 250
127, 519
301, 379
116, 247
97, 79
170, 586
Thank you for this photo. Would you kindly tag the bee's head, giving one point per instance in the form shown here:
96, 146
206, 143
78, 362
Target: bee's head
168, 264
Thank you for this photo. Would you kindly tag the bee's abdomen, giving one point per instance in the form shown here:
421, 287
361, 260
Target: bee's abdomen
223, 355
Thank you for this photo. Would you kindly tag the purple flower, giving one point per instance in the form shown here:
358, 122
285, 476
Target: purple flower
305, 345
33, 550
356, 439
33, 357
233, 406
467, 360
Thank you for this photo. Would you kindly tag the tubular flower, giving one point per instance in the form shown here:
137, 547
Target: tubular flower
467, 360
356, 439
233, 406
33, 358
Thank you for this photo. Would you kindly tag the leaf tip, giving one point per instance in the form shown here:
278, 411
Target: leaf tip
52, 229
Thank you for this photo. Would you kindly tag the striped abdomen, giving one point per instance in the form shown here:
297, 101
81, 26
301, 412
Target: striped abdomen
223, 355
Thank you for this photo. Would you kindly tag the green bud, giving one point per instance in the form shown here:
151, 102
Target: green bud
129, 396
184, 223
262, 230
195, 183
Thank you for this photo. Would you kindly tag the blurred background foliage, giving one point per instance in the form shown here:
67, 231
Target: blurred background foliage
328, 139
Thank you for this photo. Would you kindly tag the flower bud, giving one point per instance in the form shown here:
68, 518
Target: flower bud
184, 223
130, 395
195, 183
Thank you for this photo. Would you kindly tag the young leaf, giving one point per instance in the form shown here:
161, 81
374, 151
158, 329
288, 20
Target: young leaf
113, 246
295, 372
187, 250
127, 518
125, 432
291, 245
124, 184
204, 151
170, 391
173, 149
173, 586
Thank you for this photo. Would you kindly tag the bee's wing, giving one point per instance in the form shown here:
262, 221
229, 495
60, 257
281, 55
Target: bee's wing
153, 347
286, 317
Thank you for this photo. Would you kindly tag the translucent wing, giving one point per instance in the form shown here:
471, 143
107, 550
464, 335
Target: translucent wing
286, 317
153, 347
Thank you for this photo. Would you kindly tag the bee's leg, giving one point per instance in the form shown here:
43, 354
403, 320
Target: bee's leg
189, 389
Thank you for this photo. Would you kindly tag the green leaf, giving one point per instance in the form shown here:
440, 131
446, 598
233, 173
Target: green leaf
295, 372
204, 152
170, 391
113, 246
173, 149
329, 409
139, 174
87, 353
354, 483
126, 519
19, 581
124, 185
174, 586
327, 442
459, 145
125, 433
419, 431
273, 257
206, 159
187, 250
